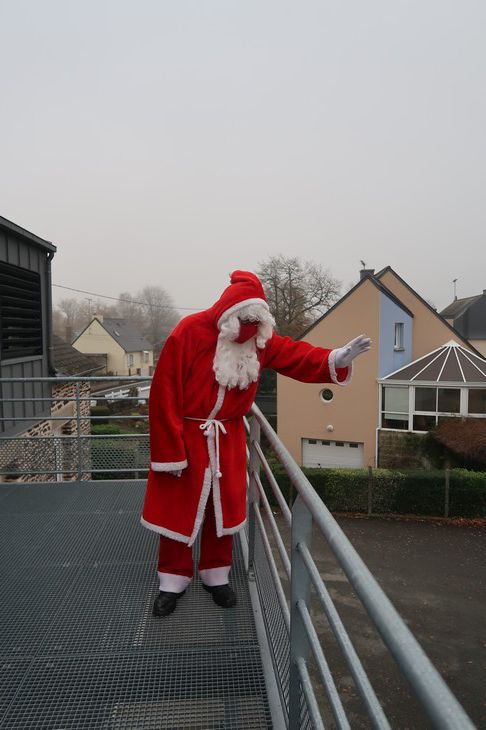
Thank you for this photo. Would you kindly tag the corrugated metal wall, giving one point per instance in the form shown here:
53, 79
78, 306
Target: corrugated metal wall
18, 252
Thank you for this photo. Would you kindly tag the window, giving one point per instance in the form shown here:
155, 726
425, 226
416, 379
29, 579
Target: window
353, 446
426, 399
130, 360
423, 423
312, 441
339, 443
449, 400
394, 407
20, 312
477, 401
145, 356
326, 395
398, 343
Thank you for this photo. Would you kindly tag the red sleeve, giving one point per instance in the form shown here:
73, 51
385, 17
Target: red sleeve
167, 449
304, 362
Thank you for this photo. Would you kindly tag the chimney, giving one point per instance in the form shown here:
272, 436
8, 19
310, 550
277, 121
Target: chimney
366, 272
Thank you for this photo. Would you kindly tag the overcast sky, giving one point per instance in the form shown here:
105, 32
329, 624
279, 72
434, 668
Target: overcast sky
169, 143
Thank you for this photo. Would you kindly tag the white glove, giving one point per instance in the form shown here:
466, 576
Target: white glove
345, 355
176, 473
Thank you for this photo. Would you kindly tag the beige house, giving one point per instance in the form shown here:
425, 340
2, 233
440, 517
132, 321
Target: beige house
330, 425
126, 350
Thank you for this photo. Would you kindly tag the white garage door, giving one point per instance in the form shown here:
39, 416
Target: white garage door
330, 454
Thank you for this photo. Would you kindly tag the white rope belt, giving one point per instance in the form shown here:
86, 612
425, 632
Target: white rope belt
212, 428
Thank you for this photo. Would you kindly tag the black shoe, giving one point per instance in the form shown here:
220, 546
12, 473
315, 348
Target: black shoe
222, 595
165, 603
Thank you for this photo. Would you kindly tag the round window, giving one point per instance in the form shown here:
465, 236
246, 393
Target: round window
327, 395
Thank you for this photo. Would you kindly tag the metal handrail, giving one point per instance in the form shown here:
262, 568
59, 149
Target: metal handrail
437, 700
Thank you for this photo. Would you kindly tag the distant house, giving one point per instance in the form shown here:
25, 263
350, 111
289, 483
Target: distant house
468, 316
127, 351
329, 425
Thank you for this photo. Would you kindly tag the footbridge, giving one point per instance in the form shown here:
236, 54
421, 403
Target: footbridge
79, 647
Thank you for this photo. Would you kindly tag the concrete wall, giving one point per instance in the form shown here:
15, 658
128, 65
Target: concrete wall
353, 412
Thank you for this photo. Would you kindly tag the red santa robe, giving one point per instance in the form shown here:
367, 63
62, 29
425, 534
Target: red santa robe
196, 423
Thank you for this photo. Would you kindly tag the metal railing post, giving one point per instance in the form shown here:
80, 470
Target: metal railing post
78, 429
447, 490
253, 495
299, 591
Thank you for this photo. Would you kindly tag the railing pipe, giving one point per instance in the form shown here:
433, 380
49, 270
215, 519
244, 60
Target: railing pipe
253, 497
287, 515
363, 684
275, 531
299, 591
323, 668
273, 569
310, 698
443, 709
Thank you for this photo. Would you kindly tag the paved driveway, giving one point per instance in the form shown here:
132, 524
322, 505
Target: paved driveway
435, 575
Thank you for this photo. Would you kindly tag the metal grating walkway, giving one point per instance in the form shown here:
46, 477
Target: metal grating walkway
79, 647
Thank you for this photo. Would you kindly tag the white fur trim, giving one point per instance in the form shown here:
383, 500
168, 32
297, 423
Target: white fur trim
215, 576
164, 531
219, 402
206, 488
236, 307
168, 465
332, 370
173, 583
232, 530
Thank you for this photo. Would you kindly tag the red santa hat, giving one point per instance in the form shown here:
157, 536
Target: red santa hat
245, 288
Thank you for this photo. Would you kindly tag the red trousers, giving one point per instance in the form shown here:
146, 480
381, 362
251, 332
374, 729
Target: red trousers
216, 552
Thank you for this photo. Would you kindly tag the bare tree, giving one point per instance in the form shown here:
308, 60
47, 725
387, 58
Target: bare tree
159, 316
298, 292
130, 309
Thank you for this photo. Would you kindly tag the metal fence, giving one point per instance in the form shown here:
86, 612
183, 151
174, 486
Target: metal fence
289, 637
292, 636
59, 444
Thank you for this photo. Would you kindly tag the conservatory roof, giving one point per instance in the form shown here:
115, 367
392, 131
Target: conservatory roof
451, 363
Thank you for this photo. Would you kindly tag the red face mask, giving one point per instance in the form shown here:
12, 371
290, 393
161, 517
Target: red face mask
247, 331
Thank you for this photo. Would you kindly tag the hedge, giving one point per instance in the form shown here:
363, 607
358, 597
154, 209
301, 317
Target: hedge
394, 491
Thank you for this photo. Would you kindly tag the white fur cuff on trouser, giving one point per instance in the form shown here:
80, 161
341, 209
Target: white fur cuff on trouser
173, 583
215, 576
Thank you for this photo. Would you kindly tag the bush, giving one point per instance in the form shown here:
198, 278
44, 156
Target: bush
104, 429
393, 491
100, 411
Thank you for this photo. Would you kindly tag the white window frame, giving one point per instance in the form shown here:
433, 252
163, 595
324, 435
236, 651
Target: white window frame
399, 337
463, 405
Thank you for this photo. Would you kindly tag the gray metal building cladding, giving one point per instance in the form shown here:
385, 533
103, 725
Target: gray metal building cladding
469, 316
20, 248
451, 363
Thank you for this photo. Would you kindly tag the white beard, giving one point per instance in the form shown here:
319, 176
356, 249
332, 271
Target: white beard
235, 364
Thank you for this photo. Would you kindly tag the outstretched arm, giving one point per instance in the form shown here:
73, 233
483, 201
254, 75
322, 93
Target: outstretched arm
310, 364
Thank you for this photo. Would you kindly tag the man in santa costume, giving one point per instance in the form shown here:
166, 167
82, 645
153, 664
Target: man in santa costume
205, 381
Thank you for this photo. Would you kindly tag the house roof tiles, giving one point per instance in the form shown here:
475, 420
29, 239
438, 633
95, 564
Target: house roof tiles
126, 335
